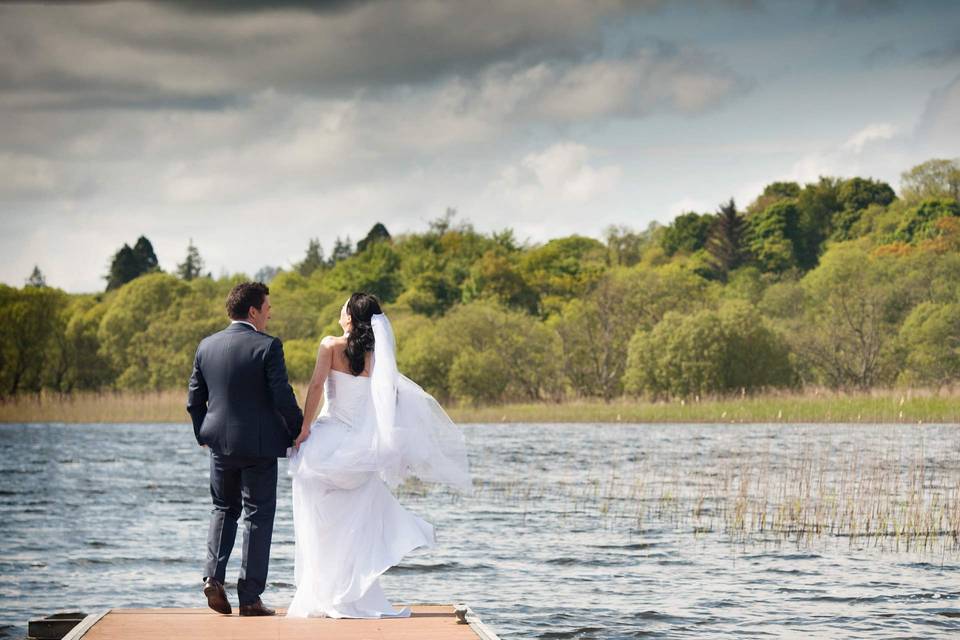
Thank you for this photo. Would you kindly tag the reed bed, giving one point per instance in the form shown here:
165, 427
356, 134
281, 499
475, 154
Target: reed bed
896, 499
813, 405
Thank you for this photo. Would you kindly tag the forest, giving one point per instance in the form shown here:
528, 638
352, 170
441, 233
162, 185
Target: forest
841, 283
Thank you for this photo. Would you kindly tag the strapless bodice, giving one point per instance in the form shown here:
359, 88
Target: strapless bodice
346, 396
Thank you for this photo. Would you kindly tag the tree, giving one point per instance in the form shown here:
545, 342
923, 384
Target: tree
688, 232
377, 233
87, 368
143, 251
342, 249
773, 236
563, 268
726, 241
595, 330
495, 276
625, 246
266, 274
773, 193
372, 271
937, 178
483, 352
129, 263
855, 196
192, 266
930, 336
818, 203
36, 278
313, 259
920, 222
137, 305
31, 317
711, 351
854, 303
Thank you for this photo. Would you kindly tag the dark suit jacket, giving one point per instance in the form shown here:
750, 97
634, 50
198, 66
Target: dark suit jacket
239, 398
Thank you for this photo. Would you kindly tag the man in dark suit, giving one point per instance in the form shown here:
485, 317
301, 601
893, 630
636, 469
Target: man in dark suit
244, 410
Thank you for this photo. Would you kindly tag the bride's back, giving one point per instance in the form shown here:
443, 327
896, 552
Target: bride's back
340, 362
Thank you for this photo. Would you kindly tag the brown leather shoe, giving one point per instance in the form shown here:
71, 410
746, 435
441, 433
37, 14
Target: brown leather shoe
216, 596
256, 609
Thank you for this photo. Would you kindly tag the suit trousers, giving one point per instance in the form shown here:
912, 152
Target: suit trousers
250, 484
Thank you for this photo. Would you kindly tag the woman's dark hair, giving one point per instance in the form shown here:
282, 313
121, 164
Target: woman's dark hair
360, 308
243, 296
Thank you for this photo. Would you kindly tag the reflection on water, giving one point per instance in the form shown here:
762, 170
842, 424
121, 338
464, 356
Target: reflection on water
572, 531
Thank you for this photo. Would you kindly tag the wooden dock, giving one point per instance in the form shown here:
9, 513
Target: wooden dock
426, 622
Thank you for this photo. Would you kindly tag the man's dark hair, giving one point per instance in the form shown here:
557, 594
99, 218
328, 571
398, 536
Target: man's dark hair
243, 296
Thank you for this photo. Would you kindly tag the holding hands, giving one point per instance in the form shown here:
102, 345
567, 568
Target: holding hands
304, 434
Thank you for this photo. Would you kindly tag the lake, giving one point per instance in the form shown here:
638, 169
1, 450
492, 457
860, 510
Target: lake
572, 531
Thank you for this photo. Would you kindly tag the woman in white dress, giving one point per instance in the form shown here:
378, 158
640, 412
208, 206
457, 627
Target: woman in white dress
375, 429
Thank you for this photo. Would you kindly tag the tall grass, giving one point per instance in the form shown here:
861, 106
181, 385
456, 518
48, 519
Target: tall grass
895, 499
812, 405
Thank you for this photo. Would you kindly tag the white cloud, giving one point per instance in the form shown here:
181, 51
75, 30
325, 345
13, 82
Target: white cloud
870, 133
559, 174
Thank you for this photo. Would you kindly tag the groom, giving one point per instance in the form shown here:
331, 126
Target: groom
244, 410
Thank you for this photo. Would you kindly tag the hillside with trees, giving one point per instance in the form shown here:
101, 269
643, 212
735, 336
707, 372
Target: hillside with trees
839, 283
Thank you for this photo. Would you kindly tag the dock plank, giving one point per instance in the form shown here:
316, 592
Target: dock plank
427, 622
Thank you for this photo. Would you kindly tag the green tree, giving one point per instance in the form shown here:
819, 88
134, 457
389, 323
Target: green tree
436, 264
920, 221
773, 193
818, 203
312, 261
708, 352
773, 236
36, 278
377, 233
32, 316
626, 247
87, 369
342, 249
129, 263
595, 330
300, 306
931, 338
495, 276
483, 352
130, 314
192, 265
688, 232
726, 243
854, 303
563, 269
855, 196
933, 179
372, 271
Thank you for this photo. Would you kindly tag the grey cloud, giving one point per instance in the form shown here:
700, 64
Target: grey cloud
360, 44
880, 55
859, 8
938, 129
135, 56
939, 56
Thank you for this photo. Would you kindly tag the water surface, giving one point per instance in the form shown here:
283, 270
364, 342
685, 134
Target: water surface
572, 531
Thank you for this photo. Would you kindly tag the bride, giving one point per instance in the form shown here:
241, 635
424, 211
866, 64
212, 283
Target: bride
375, 429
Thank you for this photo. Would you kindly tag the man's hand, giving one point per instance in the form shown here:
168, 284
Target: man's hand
203, 446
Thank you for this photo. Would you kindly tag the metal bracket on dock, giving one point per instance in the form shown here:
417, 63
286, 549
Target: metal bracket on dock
465, 615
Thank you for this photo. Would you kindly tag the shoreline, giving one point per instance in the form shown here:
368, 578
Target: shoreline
915, 406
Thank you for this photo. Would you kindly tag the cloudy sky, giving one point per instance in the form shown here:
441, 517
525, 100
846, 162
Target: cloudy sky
251, 127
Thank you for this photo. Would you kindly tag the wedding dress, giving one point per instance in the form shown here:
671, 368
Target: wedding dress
371, 434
